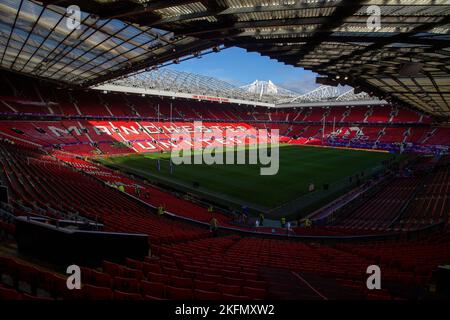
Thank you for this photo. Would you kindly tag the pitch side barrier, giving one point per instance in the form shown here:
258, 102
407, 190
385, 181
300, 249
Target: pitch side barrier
398, 235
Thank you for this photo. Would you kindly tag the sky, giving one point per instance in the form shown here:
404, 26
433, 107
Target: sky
239, 67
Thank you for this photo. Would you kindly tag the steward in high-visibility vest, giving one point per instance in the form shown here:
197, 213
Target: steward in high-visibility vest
210, 209
122, 188
283, 222
214, 226
160, 210
308, 223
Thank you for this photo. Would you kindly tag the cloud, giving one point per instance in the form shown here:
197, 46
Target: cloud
304, 83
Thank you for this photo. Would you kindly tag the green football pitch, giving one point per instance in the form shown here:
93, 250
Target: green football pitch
242, 183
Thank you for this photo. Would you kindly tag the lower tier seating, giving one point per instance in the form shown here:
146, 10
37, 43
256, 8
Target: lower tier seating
235, 268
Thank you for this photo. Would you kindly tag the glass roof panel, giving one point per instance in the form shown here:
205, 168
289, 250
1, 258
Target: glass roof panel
38, 40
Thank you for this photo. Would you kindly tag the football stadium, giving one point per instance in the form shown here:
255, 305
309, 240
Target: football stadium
126, 177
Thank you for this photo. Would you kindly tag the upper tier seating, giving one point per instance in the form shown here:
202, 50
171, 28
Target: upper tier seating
394, 125
90, 104
438, 136
20, 95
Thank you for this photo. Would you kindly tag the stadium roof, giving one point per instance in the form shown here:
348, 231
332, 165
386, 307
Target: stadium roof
44, 41
173, 83
405, 59
169, 80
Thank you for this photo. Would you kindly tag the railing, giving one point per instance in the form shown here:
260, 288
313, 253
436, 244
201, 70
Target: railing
321, 215
307, 203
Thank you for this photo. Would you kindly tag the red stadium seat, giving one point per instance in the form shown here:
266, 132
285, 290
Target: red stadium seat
178, 293
134, 264
4, 264
126, 285
380, 295
56, 285
211, 277
86, 275
232, 281
28, 274
29, 297
8, 266
172, 271
249, 275
157, 277
232, 297
256, 284
154, 289
132, 273
9, 294
205, 285
254, 293
228, 274
150, 267
206, 295
181, 282
147, 297
113, 269
97, 293
101, 279
119, 295
229, 289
